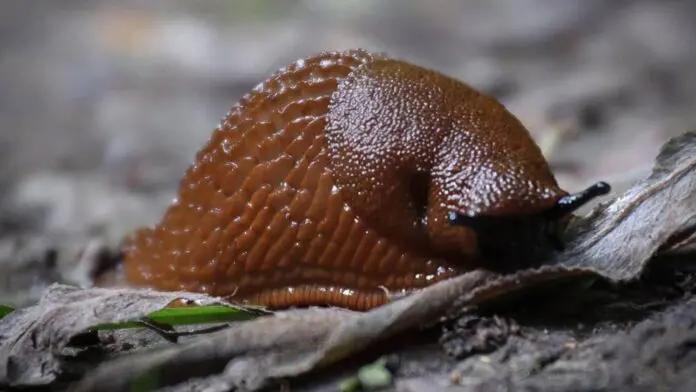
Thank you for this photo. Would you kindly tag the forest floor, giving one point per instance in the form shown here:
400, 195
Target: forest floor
103, 107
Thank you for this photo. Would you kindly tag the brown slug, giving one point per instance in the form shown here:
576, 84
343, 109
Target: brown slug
347, 176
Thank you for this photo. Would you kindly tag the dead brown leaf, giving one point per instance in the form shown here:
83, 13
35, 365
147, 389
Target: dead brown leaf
31, 338
616, 241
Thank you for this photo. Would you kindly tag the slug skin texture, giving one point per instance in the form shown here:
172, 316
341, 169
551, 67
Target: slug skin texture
331, 182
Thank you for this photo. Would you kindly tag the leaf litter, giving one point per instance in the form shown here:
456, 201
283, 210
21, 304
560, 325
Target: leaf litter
616, 241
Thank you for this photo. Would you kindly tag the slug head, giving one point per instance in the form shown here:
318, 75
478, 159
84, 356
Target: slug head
508, 242
407, 145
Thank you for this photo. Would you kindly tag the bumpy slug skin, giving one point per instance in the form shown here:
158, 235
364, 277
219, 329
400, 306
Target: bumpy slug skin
329, 184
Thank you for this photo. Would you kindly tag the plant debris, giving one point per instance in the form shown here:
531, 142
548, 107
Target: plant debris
657, 217
31, 339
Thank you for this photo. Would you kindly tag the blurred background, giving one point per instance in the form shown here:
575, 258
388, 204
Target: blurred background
103, 104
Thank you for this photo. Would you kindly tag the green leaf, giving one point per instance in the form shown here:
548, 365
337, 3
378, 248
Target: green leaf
351, 384
375, 376
186, 316
174, 316
370, 377
5, 310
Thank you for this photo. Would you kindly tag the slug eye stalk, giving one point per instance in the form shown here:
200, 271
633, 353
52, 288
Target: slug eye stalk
564, 206
570, 203
523, 230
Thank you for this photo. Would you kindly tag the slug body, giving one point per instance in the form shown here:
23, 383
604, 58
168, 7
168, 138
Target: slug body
346, 176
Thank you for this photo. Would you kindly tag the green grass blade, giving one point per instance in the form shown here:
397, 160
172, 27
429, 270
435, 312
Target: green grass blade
186, 316
5, 310
174, 316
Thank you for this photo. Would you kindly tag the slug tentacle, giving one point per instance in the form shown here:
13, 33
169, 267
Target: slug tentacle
569, 203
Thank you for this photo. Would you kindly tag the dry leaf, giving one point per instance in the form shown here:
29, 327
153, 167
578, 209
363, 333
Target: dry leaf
31, 338
615, 241
618, 240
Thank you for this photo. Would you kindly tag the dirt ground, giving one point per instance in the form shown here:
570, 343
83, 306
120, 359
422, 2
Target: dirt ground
104, 105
